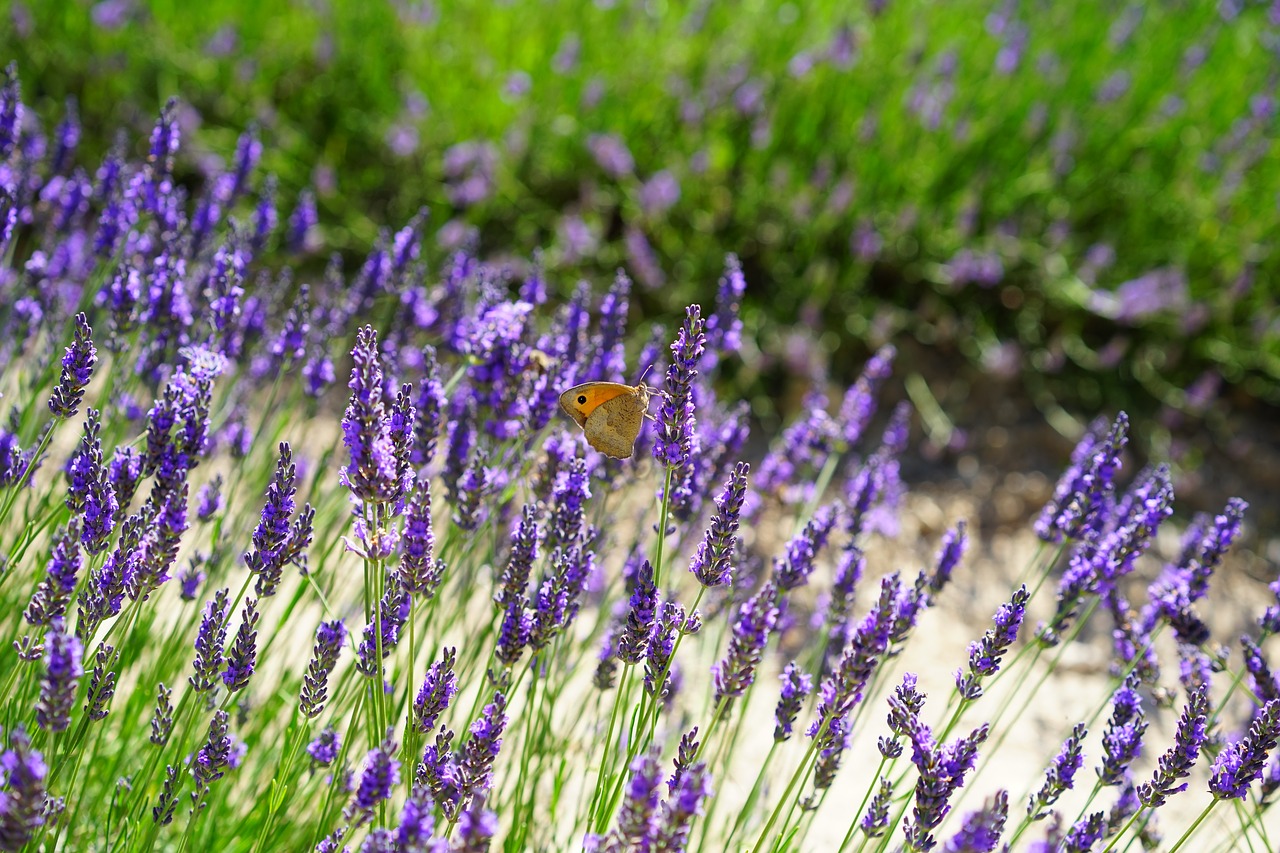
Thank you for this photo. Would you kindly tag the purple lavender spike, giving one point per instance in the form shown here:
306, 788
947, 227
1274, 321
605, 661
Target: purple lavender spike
676, 417
437, 691
25, 772
1060, 776
380, 776
980, 830
796, 687
77, 370
1177, 761
63, 669
1241, 764
756, 619
242, 656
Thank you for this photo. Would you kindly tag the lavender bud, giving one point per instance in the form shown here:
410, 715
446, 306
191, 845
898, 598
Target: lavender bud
162, 717
1060, 775
1177, 761
985, 654
63, 668
209, 641
639, 804
325, 747
980, 830
381, 775
876, 819
243, 655
756, 619
77, 370
437, 691
633, 641
213, 758
1237, 766
796, 687
481, 749
1122, 741
102, 683
25, 773
162, 811
676, 418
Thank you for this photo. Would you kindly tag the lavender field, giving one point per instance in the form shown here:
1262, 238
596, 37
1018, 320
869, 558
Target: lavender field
301, 549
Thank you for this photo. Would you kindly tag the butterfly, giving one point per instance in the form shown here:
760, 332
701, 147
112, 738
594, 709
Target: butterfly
609, 413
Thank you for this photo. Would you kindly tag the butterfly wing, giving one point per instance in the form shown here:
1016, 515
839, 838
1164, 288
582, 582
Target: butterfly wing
614, 425
581, 400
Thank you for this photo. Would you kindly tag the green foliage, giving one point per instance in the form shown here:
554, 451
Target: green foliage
782, 147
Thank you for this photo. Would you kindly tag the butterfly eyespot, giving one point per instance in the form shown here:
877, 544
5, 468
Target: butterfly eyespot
582, 399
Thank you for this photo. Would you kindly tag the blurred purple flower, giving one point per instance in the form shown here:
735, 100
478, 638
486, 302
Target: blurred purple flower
611, 154
659, 194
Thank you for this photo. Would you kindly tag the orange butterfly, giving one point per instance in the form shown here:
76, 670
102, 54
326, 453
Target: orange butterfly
609, 413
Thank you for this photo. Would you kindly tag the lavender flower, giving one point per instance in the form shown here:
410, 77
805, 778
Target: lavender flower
876, 819
209, 641
476, 828
209, 500
124, 472
437, 691
842, 688
167, 804
102, 683
325, 747
162, 717
11, 110
794, 568
439, 773
675, 440
712, 564
1122, 741
1087, 485
569, 496
1085, 834
430, 407
54, 592
756, 618
658, 665
980, 830
212, 759
985, 654
524, 550
685, 754
418, 571
516, 629
796, 687
373, 473
394, 611
416, 825
481, 749
859, 402
276, 541
63, 668
1241, 763
639, 804
724, 327
1060, 775
676, 820
942, 770
381, 775
21, 807
633, 641
77, 370
243, 654
1177, 761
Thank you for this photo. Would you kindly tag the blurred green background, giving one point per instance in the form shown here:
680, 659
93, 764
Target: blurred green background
1078, 200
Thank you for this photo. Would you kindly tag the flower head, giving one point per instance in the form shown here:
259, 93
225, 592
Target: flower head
77, 370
